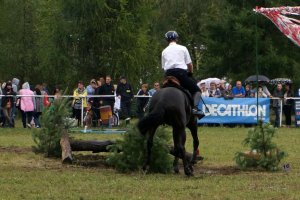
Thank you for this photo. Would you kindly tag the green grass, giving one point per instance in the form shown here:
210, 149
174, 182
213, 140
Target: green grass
25, 175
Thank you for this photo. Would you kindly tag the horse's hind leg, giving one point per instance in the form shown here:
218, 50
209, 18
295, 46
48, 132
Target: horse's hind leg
176, 159
192, 125
149, 147
179, 142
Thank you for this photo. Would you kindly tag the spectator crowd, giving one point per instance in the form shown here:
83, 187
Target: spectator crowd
119, 97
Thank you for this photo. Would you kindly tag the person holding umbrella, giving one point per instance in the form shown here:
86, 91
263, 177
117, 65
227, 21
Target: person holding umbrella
261, 80
264, 89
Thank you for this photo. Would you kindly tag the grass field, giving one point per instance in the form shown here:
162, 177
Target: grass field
25, 175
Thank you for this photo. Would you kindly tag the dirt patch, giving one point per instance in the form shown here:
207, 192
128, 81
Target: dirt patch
15, 149
99, 161
220, 170
94, 160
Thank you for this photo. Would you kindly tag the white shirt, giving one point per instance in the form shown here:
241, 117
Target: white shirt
265, 90
117, 102
175, 56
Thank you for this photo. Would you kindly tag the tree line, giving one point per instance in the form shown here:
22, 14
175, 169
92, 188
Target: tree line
61, 42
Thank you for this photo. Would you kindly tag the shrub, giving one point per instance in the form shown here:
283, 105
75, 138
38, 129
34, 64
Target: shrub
53, 125
129, 154
263, 152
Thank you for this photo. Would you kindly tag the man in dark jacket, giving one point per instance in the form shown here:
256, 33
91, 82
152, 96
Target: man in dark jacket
7, 105
107, 89
125, 93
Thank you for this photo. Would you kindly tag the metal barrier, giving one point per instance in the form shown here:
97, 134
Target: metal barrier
135, 96
71, 96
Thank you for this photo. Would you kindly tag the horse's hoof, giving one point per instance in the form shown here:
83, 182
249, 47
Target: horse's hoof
200, 158
189, 174
193, 162
191, 168
188, 171
176, 170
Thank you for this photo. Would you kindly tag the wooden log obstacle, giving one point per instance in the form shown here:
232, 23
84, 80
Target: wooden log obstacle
96, 146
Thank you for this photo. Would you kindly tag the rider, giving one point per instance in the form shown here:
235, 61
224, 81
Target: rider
176, 61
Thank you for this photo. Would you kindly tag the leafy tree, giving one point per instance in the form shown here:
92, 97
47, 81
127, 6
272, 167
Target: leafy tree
17, 39
60, 42
231, 44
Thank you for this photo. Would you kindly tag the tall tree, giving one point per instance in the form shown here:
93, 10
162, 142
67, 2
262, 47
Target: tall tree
232, 42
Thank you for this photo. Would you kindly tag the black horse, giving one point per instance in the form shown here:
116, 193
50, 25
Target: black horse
171, 106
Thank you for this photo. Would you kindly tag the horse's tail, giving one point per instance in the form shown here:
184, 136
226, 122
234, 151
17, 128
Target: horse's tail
152, 120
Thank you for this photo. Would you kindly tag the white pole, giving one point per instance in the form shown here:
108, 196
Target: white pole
280, 121
81, 111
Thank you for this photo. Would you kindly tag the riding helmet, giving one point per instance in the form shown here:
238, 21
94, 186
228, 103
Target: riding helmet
171, 36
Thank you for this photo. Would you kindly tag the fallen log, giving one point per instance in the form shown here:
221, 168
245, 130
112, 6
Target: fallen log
67, 146
66, 152
95, 146
90, 145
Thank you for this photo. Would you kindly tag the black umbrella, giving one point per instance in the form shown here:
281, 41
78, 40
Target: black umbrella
283, 81
259, 78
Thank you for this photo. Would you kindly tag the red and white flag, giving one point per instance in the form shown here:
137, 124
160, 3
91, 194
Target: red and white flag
280, 16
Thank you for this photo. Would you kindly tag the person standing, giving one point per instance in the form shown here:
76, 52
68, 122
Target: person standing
27, 105
248, 91
15, 84
228, 92
79, 101
1, 93
264, 88
288, 104
142, 102
260, 93
278, 93
125, 93
7, 104
56, 92
107, 89
238, 91
176, 61
204, 91
213, 91
39, 106
222, 87
156, 86
100, 81
91, 89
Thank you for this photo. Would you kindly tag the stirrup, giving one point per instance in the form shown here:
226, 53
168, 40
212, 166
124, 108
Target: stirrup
199, 113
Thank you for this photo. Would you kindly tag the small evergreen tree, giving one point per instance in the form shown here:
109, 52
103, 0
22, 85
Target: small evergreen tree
53, 125
129, 154
263, 152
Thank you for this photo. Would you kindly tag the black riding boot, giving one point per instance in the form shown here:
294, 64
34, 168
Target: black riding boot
198, 112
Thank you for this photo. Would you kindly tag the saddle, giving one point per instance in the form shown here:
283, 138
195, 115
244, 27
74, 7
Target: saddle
172, 81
